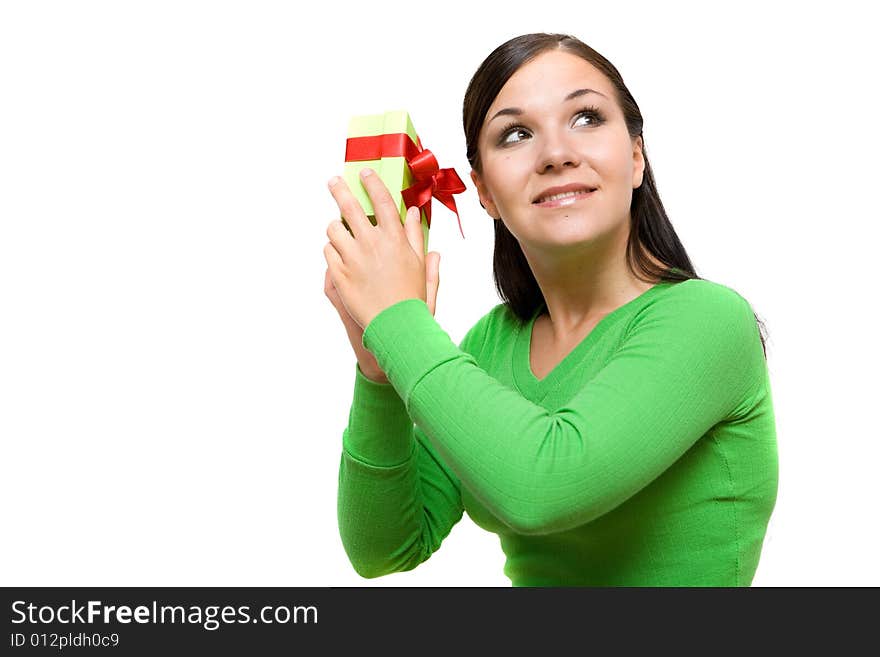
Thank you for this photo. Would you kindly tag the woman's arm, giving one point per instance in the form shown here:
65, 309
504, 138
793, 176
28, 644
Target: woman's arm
687, 362
396, 501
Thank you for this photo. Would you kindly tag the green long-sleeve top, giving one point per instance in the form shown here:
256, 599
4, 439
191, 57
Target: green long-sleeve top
646, 457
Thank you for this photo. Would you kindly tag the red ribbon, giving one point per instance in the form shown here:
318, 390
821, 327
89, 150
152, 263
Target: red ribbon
430, 180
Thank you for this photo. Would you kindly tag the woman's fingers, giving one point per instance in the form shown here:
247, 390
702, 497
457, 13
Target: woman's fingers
334, 267
384, 207
413, 229
349, 207
341, 241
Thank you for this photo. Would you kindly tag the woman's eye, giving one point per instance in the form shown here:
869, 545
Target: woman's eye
509, 131
588, 115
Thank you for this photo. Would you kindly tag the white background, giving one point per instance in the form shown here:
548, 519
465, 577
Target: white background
173, 382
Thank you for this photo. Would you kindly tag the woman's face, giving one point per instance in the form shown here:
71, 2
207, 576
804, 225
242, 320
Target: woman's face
558, 142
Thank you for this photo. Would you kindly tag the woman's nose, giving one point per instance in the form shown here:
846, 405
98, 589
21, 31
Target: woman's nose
558, 150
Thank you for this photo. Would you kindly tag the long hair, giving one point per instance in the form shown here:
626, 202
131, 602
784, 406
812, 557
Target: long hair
650, 229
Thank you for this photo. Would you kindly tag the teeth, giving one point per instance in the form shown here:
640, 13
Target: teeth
553, 197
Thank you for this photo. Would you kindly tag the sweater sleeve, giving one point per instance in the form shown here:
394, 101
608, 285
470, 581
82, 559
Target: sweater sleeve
397, 500
686, 362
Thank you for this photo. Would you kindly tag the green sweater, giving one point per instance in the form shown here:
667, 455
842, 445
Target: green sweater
647, 457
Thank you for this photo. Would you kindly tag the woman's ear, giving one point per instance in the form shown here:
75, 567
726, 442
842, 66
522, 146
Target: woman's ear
485, 197
638, 162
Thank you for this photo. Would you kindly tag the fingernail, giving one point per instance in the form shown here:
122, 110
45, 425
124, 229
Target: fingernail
333, 181
366, 171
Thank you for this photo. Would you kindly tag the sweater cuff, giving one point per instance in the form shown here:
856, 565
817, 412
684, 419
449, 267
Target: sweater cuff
407, 343
379, 432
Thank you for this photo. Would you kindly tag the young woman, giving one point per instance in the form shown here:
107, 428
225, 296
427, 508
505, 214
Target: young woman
612, 419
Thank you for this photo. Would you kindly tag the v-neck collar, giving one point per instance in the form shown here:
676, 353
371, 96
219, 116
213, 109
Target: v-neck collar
526, 380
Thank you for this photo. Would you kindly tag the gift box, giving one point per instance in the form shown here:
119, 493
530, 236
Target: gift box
389, 144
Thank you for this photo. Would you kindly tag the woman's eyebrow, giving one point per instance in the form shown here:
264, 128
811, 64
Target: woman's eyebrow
516, 111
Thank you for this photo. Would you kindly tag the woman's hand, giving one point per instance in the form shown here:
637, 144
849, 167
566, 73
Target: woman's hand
374, 267
365, 359
355, 333
353, 328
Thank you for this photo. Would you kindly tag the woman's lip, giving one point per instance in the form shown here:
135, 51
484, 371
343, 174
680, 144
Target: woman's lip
565, 202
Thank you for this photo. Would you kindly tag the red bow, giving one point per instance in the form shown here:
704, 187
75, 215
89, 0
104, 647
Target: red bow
430, 180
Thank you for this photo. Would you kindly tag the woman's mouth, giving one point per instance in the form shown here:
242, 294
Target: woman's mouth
564, 200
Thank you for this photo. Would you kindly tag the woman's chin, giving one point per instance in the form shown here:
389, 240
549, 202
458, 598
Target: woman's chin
572, 237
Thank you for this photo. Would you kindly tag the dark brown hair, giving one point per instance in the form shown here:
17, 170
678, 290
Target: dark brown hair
650, 228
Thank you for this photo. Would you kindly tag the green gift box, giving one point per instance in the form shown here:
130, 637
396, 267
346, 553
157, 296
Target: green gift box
388, 144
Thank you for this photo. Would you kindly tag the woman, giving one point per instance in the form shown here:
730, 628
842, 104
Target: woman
612, 420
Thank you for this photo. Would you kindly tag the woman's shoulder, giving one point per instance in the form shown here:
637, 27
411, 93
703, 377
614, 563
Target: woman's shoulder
703, 294
695, 310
